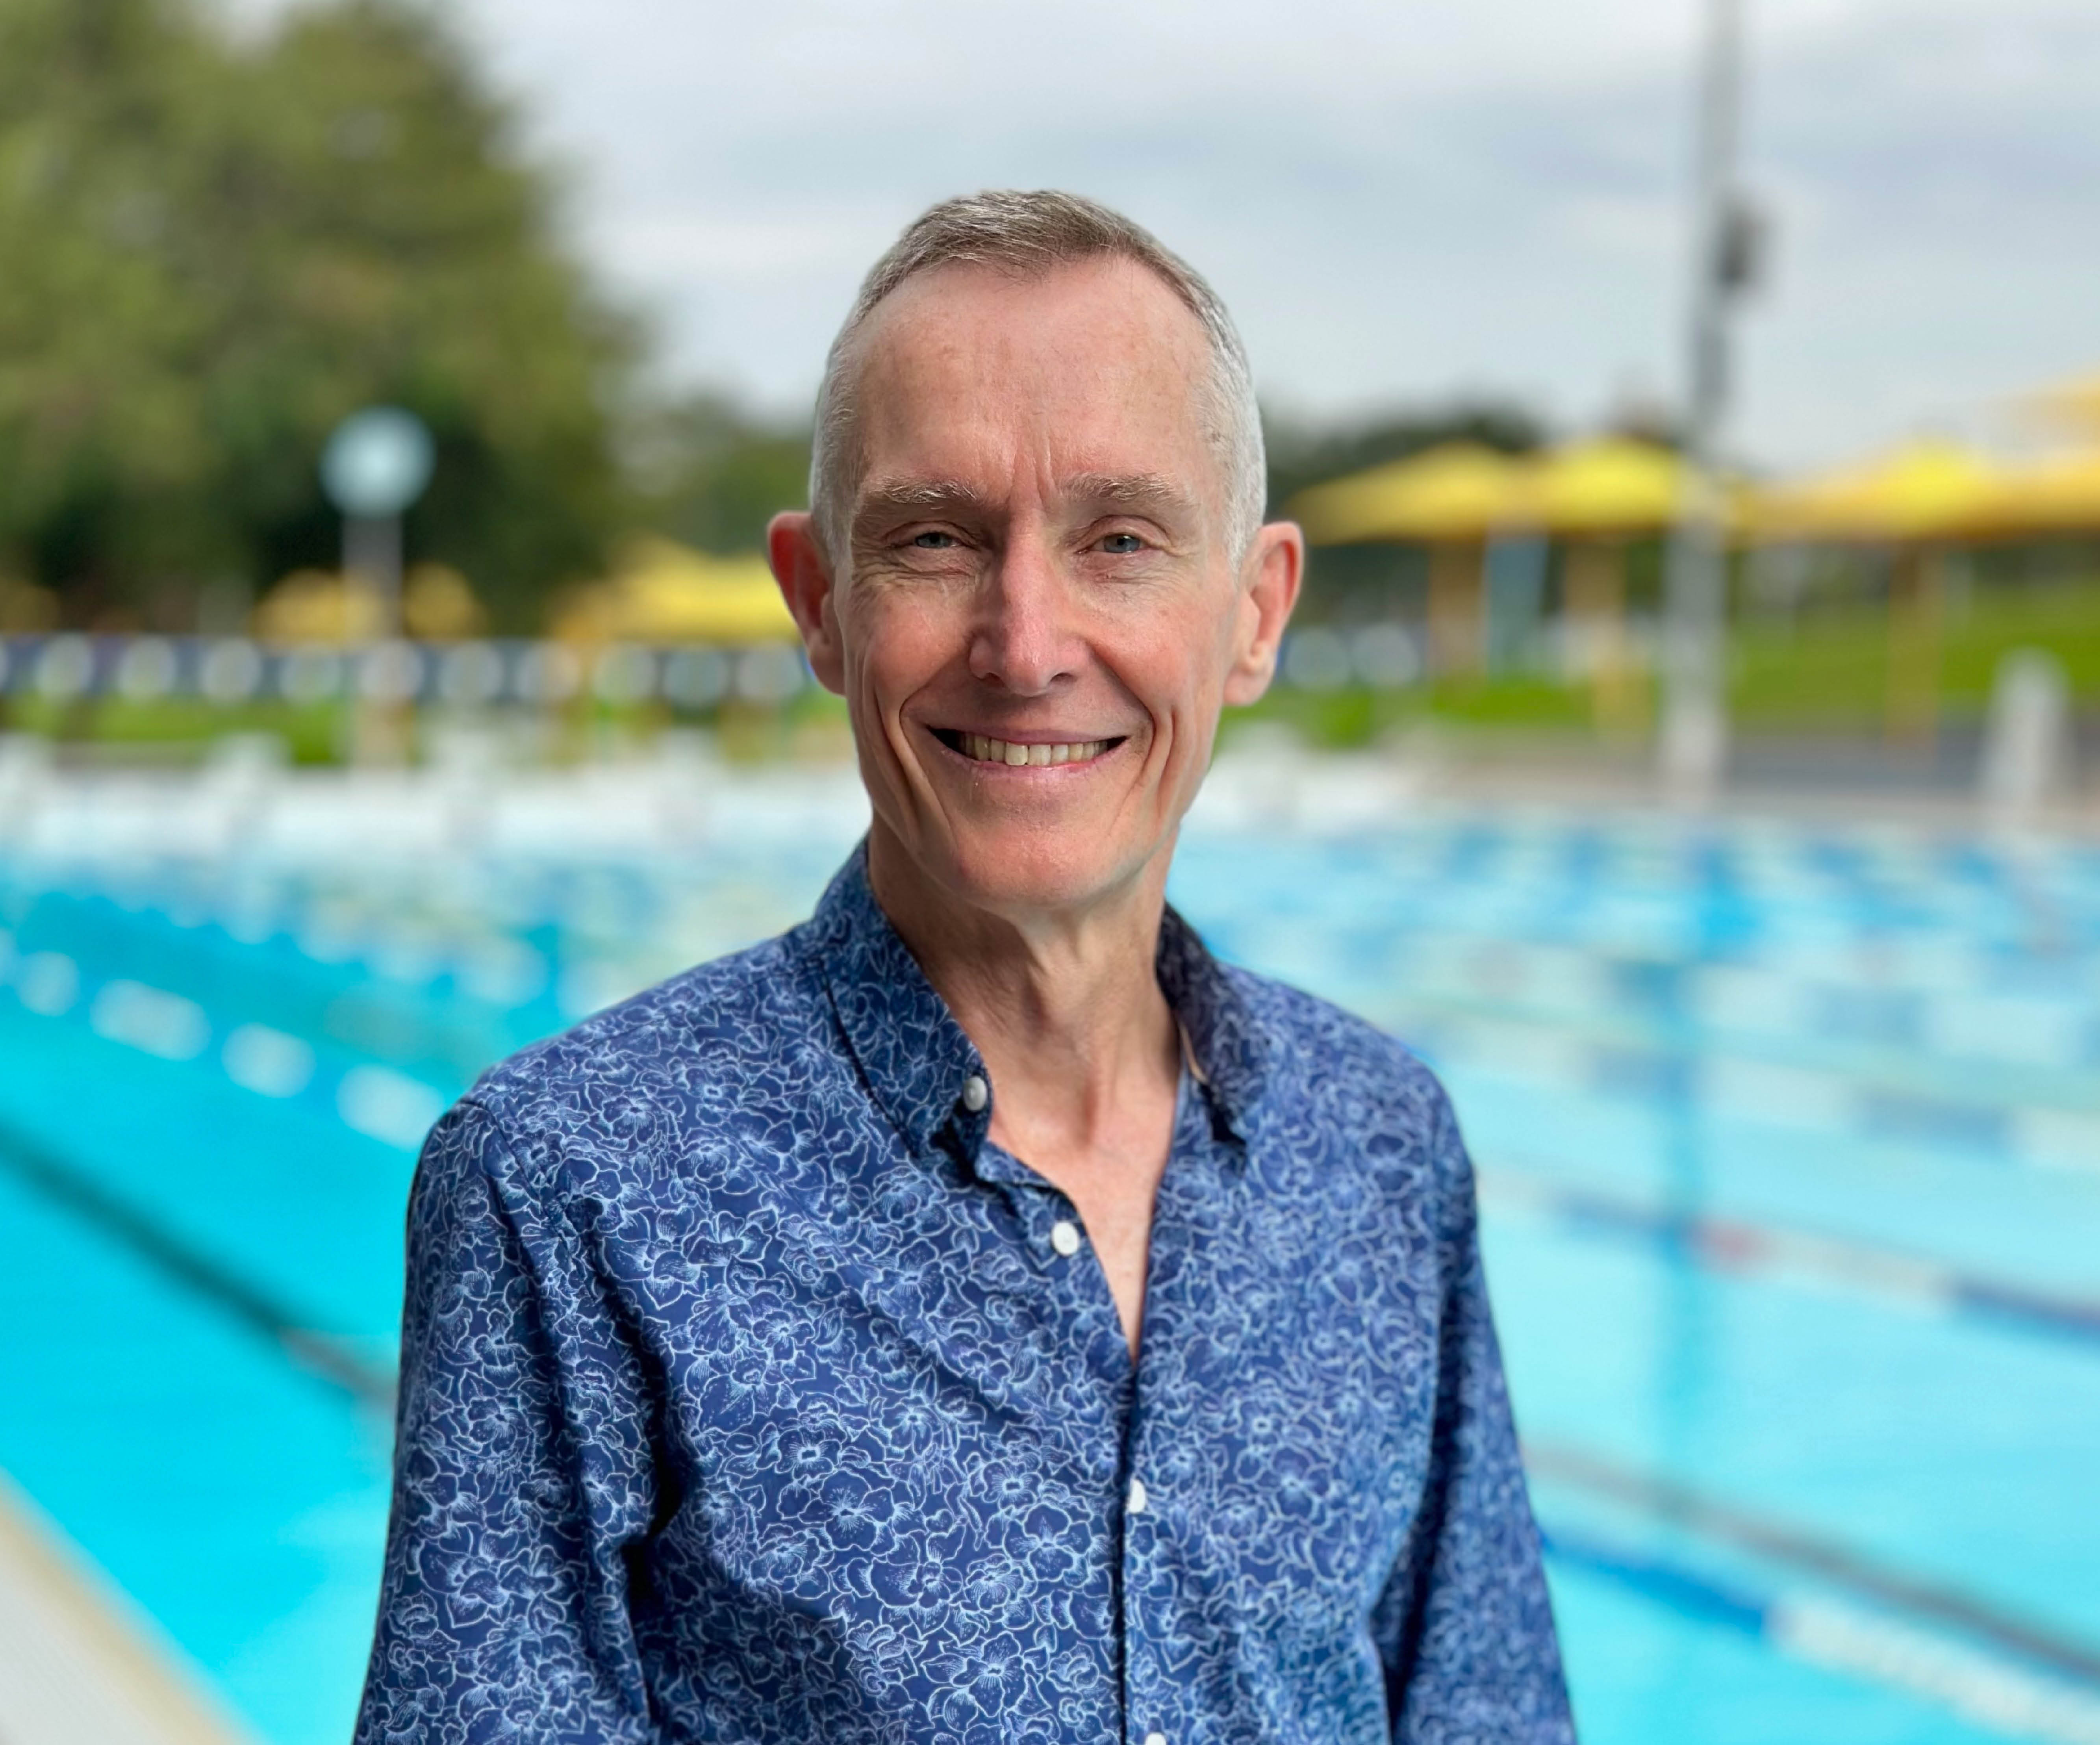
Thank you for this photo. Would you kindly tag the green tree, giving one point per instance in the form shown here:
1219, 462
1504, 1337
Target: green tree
217, 250
104, 105
706, 471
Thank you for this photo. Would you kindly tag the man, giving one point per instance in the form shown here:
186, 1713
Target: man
976, 1316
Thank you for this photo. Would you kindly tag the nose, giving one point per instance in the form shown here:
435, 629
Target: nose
1024, 641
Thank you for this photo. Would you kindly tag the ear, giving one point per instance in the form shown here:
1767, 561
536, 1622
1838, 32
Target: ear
1274, 571
804, 575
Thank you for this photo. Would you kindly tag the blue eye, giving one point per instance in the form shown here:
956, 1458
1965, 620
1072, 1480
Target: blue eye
931, 541
1122, 543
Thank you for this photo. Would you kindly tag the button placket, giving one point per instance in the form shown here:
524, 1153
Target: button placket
1136, 1503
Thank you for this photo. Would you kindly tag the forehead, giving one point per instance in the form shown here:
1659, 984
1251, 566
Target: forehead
1096, 366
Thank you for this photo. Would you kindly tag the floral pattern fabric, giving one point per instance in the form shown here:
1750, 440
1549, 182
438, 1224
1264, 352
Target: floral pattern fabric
748, 1396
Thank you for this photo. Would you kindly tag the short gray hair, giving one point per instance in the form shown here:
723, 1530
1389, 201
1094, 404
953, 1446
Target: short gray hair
1028, 234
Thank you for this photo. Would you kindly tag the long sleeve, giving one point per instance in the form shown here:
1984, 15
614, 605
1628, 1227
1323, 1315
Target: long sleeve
521, 1476
1465, 1627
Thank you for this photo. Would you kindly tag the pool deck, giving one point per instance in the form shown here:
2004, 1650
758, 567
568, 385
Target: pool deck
681, 792
76, 1667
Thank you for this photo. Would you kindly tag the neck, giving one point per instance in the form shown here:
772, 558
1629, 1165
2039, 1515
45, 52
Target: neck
1064, 1005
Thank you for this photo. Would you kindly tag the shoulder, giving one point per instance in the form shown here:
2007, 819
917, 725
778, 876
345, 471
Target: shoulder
738, 1007
657, 1076
1320, 1049
1338, 1082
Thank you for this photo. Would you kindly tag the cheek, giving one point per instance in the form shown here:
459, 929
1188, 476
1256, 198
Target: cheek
1179, 671
894, 645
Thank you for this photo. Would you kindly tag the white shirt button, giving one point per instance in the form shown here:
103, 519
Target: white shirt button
1065, 1237
1155, 1738
1140, 1500
976, 1093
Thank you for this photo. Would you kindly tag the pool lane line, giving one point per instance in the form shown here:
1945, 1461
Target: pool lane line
1745, 1250
142, 1236
369, 1095
1979, 1687
1875, 1089
1810, 1554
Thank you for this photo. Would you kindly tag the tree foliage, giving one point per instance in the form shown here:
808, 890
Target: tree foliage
708, 471
217, 248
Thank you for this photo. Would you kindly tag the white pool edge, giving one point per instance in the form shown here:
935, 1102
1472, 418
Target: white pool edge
79, 1663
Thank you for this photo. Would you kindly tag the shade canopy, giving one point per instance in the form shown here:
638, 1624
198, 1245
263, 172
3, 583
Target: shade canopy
2058, 495
1458, 490
1610, 485
1615, 487
665, 592
1928, 489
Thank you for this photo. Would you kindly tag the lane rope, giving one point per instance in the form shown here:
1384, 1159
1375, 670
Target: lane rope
1741, 1249
1981, 1687
199, 1274
1679, 1506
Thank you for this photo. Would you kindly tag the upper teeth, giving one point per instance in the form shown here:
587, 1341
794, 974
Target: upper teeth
1002, 751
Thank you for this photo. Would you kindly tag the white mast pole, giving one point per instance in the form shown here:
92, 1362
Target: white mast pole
1694, 739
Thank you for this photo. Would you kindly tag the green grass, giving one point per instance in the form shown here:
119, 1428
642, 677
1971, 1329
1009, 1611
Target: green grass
1829, 672
1833, 670
312, 733
1358, 715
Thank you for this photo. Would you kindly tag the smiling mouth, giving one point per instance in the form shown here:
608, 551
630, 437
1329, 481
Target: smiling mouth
981, 749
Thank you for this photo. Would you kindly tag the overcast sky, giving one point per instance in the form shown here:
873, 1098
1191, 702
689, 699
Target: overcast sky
1404, 200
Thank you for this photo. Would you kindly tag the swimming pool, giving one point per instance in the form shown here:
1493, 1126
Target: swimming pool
1789, 1137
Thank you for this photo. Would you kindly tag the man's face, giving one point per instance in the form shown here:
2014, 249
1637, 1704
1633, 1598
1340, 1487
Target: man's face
1043, 615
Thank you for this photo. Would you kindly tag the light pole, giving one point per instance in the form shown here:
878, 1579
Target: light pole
376, 465
1694, 741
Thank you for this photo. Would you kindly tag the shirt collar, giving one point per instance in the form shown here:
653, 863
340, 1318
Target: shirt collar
918, 1063
1228, 1054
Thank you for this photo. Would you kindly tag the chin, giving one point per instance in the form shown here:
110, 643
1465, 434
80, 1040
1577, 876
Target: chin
1009, 871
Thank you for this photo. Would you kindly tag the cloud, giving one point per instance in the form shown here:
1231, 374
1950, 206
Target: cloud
755, 250
1400, 202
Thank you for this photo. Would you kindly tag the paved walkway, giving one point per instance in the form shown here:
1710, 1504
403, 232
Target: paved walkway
78, 1666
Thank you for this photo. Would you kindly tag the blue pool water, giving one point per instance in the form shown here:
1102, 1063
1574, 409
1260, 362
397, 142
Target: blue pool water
1789, 1141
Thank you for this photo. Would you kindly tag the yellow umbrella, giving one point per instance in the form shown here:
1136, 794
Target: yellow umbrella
661, 591
319, 606
1916, 500
1456, 491
1605, 486
1596, 496
2061, 496
1928, 490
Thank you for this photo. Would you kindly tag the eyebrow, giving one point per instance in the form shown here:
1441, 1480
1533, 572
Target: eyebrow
923, 494
1134, 491
1129, 491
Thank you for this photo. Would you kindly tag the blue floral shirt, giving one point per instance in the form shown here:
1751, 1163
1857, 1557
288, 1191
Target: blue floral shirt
749, 1392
